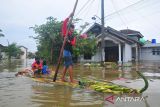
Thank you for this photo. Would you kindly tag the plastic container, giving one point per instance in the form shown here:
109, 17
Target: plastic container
153, 41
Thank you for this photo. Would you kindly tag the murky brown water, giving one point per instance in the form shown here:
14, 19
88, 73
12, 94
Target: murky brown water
23, 92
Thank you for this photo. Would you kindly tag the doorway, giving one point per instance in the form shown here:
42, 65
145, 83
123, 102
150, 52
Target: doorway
111, 54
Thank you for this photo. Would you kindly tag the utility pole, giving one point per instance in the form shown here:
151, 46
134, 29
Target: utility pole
102, 30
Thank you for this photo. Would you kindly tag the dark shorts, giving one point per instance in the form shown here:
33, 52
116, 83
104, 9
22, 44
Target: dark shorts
37, 72
68, 61
67, 58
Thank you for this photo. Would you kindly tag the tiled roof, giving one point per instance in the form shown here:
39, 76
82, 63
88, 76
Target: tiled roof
96, 29
131, 32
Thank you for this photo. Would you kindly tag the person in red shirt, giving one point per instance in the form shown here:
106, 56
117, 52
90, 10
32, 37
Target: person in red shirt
37, 66
68, 51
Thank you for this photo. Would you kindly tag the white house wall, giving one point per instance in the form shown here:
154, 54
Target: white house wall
4, 56
146, 54
25, 53
95, 58
127, 53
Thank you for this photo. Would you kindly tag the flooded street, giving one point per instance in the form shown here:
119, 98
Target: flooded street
24, 92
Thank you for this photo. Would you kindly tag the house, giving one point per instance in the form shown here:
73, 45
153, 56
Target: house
150, 52
119, 46
2, 53
1, 47
24, 50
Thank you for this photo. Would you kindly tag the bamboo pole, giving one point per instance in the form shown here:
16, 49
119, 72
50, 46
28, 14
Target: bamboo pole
64, 42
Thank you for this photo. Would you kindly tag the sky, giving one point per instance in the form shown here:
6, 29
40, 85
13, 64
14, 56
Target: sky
16, 16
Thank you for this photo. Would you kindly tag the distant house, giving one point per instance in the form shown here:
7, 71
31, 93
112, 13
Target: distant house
24, 50
120, 46
150, 52
2, 53
1, 47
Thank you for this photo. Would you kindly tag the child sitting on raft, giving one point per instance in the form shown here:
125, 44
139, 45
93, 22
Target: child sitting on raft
37, 69
45, 69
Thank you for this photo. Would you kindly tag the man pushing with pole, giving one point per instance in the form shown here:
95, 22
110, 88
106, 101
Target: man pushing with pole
66, 49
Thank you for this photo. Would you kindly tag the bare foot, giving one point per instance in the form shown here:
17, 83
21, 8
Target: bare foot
73, 81
63, 80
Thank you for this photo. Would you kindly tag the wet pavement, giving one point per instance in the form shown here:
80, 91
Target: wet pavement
23, 92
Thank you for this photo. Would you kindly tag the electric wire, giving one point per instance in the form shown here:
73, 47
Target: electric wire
123, 9
82, 8
98, 8
137, 8
88, 9
136, 16
147, 20
135, 5
120, 16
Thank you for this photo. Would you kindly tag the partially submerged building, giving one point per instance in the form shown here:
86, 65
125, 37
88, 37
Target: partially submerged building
150, 52
24, 50
2, 53
120, 46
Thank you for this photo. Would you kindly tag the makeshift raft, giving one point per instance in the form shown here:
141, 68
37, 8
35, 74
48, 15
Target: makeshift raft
58, 82
99, 86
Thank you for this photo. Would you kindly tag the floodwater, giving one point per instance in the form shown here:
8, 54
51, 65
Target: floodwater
23, 92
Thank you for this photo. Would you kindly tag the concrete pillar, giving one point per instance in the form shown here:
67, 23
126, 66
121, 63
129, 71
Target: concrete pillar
140, 52
128, 53
136, 53
103, 54
120, 59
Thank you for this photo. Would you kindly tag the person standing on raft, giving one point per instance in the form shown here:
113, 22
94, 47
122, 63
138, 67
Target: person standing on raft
68, 51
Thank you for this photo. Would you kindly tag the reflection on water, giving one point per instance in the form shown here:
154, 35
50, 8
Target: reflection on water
63, 96
23, 92
14, 65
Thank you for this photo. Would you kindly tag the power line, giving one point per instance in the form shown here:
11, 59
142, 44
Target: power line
152, 4
124, 8
88, 9
148, 21
98, 7
118, 13
82, 7
147, 4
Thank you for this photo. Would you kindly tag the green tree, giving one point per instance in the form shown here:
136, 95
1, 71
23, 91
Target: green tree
13, 51
30, 55
86, 46
49, 39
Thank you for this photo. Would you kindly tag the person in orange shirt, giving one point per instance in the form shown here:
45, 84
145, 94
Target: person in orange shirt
36, 68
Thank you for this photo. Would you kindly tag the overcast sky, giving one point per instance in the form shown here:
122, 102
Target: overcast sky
16, 16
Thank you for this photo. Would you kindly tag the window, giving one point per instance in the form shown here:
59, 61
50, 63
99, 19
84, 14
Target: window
87, 56
156, 51
153, 52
